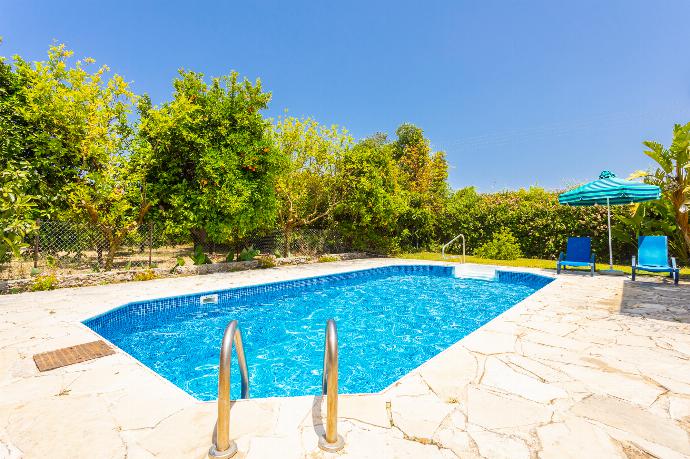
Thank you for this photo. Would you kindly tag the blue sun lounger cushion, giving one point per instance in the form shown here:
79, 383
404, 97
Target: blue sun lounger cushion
652, 256
578, 253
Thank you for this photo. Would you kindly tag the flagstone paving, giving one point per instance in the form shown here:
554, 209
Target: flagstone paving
585, 367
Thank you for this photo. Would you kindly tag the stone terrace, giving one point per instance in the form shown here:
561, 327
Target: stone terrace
585, 367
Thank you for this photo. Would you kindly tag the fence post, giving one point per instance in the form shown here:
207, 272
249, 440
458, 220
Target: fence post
150, 242
36, 239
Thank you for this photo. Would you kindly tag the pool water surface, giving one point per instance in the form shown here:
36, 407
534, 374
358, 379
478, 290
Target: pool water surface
390, 320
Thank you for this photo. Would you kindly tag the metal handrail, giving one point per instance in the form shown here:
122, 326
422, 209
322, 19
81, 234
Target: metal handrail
331, 441
443, 249
222, 446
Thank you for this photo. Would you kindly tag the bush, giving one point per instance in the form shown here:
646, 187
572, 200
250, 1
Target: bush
247, 254
47, 282
535, 218
267, 261
230, 257
503, 246
199, 257
328, 258
145, 275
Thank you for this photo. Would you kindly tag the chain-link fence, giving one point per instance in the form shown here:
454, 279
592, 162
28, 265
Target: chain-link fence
70, 248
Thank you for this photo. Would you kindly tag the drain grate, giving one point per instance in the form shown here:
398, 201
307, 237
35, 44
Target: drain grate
70, 355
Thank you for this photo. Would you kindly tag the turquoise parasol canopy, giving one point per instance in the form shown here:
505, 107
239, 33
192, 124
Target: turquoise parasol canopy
610, 190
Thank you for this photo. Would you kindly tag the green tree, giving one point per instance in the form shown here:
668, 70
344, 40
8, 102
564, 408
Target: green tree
371, 203
310, 186
15, 208
422, 178
673, 177
213, 165
73, 131
113, 198
71, 120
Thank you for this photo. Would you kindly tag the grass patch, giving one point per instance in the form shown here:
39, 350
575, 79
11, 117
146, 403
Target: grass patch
522, 262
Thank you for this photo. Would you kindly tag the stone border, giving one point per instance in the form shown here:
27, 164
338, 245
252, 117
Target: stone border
112, 277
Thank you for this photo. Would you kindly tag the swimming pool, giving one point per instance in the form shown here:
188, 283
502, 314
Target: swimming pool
390, 320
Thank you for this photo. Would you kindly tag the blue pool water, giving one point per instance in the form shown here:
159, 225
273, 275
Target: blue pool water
390, 320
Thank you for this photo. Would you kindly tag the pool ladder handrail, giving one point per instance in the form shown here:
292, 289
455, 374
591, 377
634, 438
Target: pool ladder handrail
331, 441
443, 249
223, 446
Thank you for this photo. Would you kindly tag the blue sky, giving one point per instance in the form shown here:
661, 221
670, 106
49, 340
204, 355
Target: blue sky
516, 92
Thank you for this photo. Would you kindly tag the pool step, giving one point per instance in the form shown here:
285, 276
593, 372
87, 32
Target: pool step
475, 272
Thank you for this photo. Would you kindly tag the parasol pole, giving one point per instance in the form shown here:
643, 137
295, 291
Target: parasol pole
608, 208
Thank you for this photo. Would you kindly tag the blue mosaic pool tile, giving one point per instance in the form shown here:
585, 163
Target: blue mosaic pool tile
515, 277
123, 316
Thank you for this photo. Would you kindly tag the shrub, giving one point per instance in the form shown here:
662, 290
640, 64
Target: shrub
502, 246
230, 257
267, 261
47, 282
328, 258
144, 275
199, 257
247, 254
535, 218
35, 271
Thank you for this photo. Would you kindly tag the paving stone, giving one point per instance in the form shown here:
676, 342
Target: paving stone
419, 417
585, 366
487, 343
632, 388
576, 438
492, 410
47, 427
635, 420
458, 441
450, 372
367, 409
278, 447
500, 376
497, 446
679, 408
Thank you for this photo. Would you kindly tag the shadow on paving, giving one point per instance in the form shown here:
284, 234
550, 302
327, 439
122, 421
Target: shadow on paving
656, 298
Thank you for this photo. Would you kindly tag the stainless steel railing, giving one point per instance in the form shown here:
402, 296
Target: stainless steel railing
443, 249
223, 446
331, 441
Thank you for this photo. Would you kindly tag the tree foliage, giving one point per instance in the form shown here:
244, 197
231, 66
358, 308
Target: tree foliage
673, 177
502, 246
209, 166
310, 186
15, 208
71, 130
422, 178
371, 199
533, 216
213, 164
